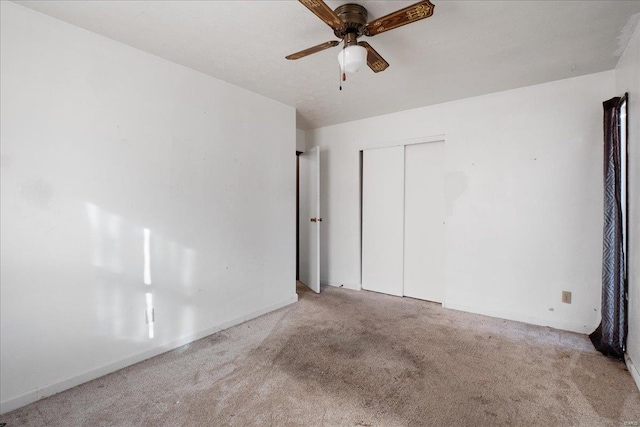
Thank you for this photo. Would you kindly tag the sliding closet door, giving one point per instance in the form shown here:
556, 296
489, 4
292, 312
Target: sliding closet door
383, 219
424, 221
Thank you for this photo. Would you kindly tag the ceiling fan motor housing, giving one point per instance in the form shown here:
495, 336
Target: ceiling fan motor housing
354, 17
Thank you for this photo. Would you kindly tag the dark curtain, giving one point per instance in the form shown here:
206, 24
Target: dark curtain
610, 337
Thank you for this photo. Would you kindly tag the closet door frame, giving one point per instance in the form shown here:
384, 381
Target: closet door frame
403, 143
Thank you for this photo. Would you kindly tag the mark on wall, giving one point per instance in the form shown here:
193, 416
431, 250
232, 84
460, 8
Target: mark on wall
5, 160
37, 192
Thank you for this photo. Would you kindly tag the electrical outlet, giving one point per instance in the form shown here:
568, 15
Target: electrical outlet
149, 315
566, 297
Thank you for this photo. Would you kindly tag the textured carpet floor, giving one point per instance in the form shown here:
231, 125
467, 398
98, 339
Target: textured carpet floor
346, 358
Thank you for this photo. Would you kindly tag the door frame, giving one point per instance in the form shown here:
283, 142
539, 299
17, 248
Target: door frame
298, 214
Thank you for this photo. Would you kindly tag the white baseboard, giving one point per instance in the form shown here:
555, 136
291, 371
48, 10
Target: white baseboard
519, 317
633, 369
353, 287
51, 389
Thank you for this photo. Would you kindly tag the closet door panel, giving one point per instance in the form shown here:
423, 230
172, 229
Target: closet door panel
383, 220
424, 221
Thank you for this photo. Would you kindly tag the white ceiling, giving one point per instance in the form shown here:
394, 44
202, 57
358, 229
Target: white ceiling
466, 48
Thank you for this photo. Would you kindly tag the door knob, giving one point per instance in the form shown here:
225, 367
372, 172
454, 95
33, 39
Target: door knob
313, 219
316, 219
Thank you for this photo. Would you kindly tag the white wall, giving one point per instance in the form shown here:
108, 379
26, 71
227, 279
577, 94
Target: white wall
523, 194
301, 140
628, 80
99, 142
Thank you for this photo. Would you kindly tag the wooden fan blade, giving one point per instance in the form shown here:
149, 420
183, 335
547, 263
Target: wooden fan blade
413, 13
374, 60
314, 49
324, 12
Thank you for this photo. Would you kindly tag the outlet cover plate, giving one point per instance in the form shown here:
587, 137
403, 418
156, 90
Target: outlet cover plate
149, 315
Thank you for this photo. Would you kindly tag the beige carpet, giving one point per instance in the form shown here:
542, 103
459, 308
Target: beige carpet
345, 358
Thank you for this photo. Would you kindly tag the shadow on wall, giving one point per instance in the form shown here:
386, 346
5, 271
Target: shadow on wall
455, 184
126, 254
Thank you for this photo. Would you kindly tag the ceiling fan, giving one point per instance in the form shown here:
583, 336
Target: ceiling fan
349, 22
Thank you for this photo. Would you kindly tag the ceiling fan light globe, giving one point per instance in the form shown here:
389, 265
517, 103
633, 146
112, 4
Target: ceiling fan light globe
352, 58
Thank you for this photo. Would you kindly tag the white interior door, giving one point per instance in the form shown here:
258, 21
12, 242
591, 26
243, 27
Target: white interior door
309, 226
383, 220
424, 214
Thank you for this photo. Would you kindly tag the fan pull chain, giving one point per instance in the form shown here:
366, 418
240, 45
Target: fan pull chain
343, 74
